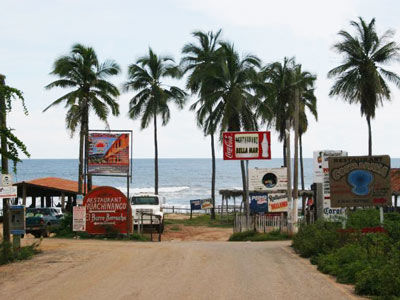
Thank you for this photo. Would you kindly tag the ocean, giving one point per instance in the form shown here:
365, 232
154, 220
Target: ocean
180, 180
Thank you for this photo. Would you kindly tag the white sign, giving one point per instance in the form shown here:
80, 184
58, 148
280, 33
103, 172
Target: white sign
268, 179
79, 199
278, 202
321, 175
79, 218
6, 180
8, 192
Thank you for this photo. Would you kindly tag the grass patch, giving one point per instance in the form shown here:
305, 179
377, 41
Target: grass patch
8, 255
202, 220
254, 236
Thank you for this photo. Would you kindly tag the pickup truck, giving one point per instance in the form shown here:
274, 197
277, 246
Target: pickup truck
42, 221
149, 204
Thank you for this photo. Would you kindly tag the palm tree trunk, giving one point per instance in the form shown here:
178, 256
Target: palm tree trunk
303, 200
213, 177
284, 153
244, 183
155, 156
89, 177
80, 166
369, 136
4, 169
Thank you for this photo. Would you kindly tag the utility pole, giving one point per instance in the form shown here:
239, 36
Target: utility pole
4, 161
296, 161
289, 176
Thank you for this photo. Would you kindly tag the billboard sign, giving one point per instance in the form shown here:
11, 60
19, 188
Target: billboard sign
200, 204
278, 202
108, 153
107, 207
17, 219
271, 179
258, 202
360, 181
246, 145
79, 218
321, 175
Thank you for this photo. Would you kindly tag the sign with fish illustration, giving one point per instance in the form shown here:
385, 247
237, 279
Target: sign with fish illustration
268, 179
108, 153
246, 145
360, 181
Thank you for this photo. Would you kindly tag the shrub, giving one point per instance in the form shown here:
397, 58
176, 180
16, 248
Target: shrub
255, 236
362, 218
392, 225
318, 238
7, 254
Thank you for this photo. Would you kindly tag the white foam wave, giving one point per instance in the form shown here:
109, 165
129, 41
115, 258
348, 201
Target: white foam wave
161, 190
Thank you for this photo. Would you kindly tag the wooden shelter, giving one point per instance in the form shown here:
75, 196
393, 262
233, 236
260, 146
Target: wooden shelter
47, 188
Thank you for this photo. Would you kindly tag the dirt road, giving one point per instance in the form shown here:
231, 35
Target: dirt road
93, 269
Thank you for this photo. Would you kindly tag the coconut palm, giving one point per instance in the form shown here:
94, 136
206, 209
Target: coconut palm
153, 97
82, 72
199, 61
361, 77
10, 144
230, 89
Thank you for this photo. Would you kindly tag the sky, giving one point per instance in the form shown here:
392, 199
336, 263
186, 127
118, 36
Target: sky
35, 33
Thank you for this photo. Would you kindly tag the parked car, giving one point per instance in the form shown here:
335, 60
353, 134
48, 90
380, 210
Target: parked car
149, 204
42, 221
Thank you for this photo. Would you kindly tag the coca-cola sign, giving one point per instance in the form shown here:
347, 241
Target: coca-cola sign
247, 145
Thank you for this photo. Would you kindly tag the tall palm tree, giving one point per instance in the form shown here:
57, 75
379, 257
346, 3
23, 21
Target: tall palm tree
278, 97
361, 78
230, 88
82, 72
10, 144
199, 61
153, 96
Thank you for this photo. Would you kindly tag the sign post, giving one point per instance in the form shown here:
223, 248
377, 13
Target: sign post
17, 224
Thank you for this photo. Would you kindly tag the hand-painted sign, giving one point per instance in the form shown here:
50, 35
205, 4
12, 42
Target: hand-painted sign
200, 204
17, 219
258, 202
107, 207
360, 181
268, 179
246, 145
79, 218
321, 175
6, 180
108, 153
8, 192
278, 202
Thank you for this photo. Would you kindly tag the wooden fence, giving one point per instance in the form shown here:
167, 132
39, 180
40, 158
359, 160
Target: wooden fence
260, 223
179, 209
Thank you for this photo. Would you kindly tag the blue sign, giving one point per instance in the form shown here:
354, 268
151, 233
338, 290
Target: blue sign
196, 204
258, 203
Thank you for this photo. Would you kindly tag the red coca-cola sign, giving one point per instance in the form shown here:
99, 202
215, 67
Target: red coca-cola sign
246, 145
107, 208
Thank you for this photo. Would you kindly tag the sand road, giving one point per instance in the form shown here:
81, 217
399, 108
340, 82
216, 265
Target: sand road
93, 269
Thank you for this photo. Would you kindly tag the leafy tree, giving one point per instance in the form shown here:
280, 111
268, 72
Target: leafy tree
10, 143
361, 78
199, 61
82, 72
230, 88
153, 97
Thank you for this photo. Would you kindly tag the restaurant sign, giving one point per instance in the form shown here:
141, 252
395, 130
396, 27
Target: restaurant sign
278, 202
201, 204
268, 179
107, 208
360, 181
246, 145
108, 153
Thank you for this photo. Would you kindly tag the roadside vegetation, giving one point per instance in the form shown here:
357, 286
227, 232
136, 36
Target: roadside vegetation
255, 236
8, 254
202, 220
364, 253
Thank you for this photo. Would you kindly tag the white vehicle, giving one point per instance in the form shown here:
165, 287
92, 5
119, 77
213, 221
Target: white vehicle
148, 204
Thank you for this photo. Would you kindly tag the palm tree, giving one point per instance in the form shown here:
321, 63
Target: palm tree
230, 89
82, 72
10, 144
153, 96
278, 97
199, 60
361, 77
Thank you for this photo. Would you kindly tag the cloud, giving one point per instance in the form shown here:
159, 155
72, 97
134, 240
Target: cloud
306, 18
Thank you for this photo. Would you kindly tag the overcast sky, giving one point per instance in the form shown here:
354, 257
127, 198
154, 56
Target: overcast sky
34, 33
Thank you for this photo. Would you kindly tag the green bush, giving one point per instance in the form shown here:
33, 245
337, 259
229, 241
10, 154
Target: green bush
255, 236
362, 218
318, 238
7, 254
